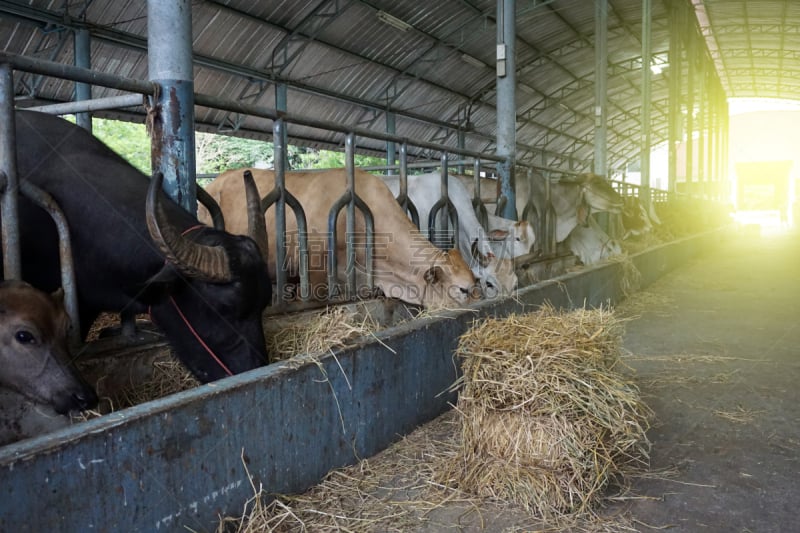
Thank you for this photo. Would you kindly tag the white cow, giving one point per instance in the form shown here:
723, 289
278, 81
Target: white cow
573, 201
494, 271
591, 244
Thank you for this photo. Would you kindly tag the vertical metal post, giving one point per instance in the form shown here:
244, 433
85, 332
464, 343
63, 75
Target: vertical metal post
83, 91
404, 170
461, 143
725, 153
711, 131
350, 224
701, 126
600, 87
506, 102
282, 104
444, 214
279, 162
675, 66
646, 58
171, 115
12, 268
391, 150
692, 59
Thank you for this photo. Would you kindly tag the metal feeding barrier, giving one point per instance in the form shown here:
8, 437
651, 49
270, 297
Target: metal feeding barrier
442, 215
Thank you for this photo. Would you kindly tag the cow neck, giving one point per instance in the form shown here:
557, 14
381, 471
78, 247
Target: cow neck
188, 324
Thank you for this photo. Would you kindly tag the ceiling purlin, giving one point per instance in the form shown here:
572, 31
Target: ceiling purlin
782, 49
437, 43
135, 42
289, 48
482, 96
613, 155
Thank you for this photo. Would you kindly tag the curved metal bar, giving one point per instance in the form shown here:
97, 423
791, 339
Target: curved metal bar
369, 245
333, 214
444, 201
477, 203
402, 198
549, 222
502, 200
452, 216
302, 242
45, 201
213, 208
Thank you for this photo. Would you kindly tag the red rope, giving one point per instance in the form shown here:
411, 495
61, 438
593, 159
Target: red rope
197, 336
189, 325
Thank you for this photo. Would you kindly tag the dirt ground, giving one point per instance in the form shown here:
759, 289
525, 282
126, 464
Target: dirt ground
714, 350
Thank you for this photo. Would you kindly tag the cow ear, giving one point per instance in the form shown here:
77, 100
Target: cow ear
434, 275
482, 259
58, 295
498, 234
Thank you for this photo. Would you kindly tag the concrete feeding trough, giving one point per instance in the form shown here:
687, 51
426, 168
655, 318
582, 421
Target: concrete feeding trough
178, 463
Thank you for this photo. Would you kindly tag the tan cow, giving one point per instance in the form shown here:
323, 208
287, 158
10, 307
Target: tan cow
406, 265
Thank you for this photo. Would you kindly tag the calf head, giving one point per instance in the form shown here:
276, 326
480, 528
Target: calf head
34, 359
209, 296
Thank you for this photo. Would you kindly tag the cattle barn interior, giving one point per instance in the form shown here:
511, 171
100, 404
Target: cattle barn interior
644, 151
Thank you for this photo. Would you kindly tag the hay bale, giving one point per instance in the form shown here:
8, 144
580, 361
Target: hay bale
547, 420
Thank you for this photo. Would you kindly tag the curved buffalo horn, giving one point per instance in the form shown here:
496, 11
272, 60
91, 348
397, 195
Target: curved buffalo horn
256, 225
209, 263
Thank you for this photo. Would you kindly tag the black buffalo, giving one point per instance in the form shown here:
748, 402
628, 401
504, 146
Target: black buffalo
138, 250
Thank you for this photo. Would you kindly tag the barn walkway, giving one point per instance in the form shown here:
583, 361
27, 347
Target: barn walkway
717, 355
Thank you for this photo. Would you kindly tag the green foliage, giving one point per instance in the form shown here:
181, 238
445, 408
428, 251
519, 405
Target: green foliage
330, 159
217, 153
128, 139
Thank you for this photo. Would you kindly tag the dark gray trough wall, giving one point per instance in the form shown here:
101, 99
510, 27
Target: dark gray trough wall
180, 461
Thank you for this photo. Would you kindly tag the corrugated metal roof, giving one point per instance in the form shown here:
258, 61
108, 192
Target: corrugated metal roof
342, 62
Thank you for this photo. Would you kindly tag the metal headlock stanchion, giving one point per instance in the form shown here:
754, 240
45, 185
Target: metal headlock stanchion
448, 210
352, 201
280, 197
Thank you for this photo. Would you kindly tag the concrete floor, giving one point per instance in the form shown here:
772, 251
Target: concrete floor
717, 355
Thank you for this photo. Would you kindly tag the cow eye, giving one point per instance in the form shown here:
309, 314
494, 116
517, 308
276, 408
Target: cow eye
24, 337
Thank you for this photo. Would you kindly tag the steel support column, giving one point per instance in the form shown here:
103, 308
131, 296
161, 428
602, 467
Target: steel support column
600, 87
12, 268
282, 106
701, 124
675, 67
506, 102
171, 112
691, 57
644, 195
83, 91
